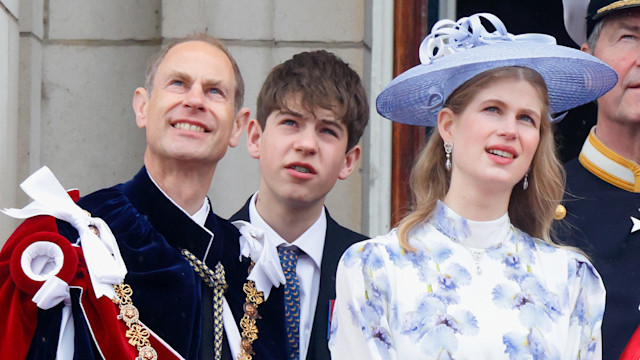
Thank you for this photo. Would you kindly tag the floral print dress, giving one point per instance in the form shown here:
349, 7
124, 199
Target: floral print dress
472, 290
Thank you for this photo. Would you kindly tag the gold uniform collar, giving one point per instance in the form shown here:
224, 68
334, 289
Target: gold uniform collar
608, 165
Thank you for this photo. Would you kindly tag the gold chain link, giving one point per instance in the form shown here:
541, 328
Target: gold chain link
136, 334
248, 321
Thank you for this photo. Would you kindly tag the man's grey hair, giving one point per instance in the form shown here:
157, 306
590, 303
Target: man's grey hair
592, 40
154, 63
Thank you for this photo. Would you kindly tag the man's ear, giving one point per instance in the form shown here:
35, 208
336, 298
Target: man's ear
239, 123
254, 134
140, 102
446, 119
585, 48
350, 162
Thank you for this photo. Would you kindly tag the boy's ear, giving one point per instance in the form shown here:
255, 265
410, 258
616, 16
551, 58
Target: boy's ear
254, 134
446, 119
350, 162
140, 102
239, 121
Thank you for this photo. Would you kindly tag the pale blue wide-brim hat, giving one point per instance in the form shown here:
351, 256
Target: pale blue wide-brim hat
455, 52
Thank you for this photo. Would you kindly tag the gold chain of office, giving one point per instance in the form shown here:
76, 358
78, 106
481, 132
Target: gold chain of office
136, 334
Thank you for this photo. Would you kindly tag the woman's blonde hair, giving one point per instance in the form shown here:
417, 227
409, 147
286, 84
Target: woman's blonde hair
532, 210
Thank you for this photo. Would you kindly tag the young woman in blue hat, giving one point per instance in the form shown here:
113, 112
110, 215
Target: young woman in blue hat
472, 272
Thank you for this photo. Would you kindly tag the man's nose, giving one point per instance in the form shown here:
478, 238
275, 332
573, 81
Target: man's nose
195, 98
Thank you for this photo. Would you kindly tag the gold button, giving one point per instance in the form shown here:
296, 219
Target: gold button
561, 212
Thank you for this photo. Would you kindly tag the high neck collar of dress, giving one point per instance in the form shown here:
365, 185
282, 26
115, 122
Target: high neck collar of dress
474, 234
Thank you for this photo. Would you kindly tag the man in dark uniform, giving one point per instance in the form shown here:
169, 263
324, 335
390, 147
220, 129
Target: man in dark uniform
182, 260
603, 184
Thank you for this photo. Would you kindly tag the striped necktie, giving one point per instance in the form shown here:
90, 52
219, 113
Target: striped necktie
289, 260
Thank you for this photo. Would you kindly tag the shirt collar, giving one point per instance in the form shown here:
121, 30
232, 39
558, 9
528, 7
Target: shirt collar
311, 241
200, 216
609, 166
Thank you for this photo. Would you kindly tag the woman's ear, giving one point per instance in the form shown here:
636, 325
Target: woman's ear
446, 118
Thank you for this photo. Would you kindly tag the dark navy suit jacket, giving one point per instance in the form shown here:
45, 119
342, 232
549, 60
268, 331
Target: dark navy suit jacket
337, 240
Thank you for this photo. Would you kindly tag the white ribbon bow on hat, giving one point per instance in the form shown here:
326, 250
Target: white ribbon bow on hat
254, 244
448, 36
101, 254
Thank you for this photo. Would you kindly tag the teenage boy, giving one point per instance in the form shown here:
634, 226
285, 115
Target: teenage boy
312, 110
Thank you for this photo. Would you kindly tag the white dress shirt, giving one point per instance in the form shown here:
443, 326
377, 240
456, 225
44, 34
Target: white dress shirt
311, 242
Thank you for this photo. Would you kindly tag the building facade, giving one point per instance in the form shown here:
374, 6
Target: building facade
68, 71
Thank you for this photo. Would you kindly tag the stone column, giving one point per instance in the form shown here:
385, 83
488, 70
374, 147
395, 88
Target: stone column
9, 60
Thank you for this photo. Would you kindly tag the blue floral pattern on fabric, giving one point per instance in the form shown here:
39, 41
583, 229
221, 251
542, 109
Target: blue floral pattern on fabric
518, 298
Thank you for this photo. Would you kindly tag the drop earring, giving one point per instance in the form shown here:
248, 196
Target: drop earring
448, 147
525, 182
